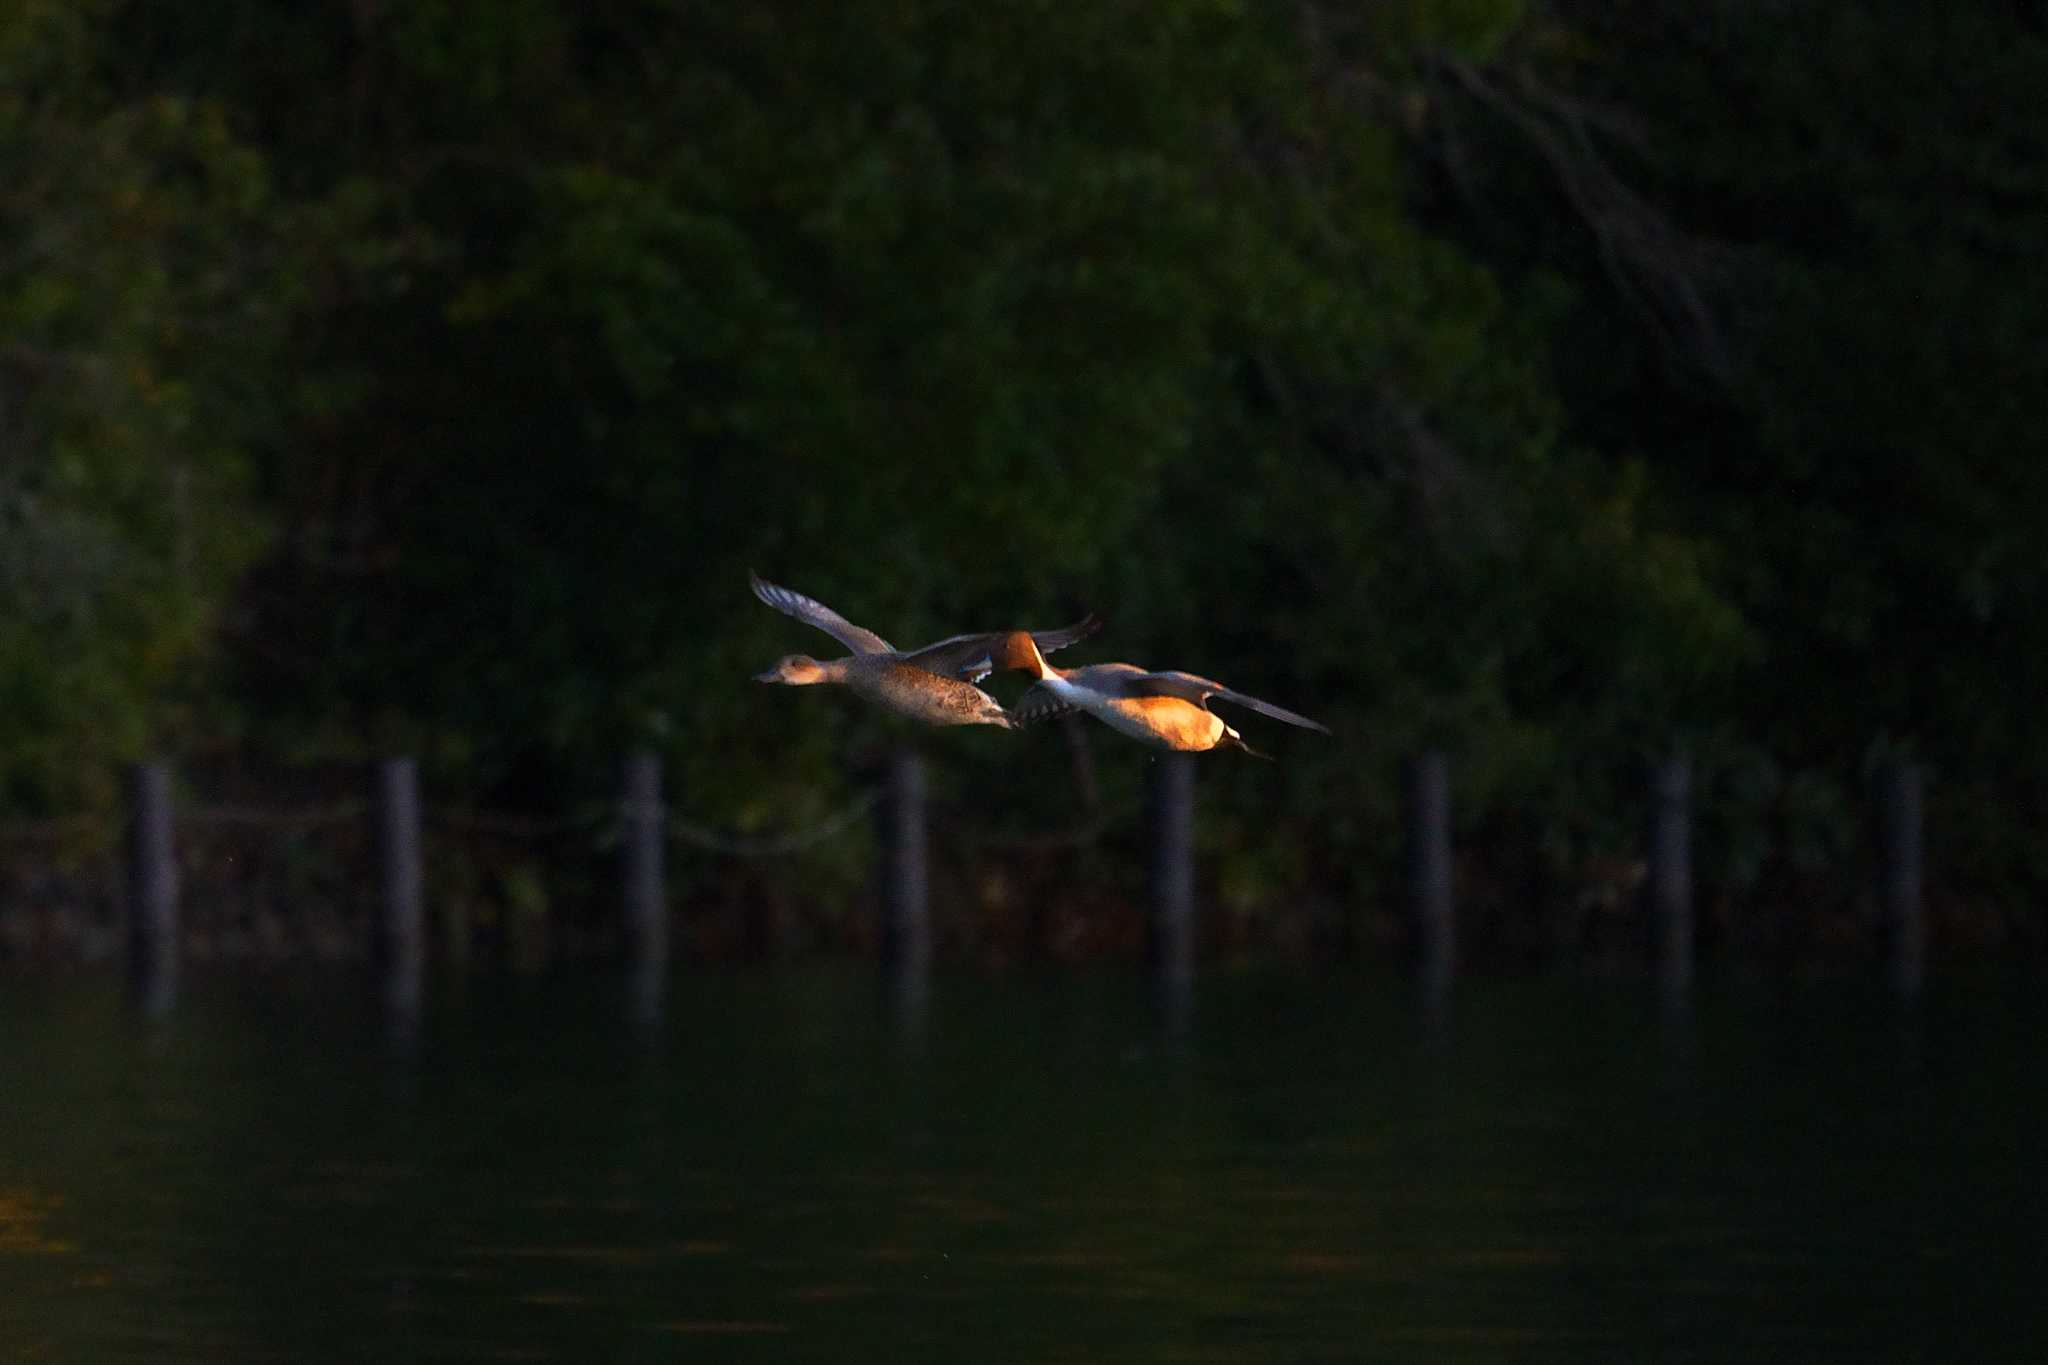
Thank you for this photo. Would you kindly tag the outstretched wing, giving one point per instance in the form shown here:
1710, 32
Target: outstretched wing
1050, 640
958, 656
1036, 705
966, 657
815, 613
1188, 687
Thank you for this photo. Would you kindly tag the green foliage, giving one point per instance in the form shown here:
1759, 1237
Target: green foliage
132, 307
1839, 433
1347, 353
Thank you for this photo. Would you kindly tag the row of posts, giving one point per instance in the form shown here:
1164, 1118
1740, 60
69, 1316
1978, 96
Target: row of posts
399, 934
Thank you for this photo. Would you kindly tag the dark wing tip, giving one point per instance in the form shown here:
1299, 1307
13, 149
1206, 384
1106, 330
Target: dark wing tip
1281, 713
775, 595
1049, 640
1269, 710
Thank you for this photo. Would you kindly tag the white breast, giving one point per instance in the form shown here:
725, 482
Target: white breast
1167, 722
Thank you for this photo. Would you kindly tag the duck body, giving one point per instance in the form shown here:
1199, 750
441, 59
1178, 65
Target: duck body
919, 694
1165, 722
934, 685
1167, 710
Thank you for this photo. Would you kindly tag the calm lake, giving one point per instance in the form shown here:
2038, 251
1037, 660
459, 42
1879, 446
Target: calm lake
1031, 1168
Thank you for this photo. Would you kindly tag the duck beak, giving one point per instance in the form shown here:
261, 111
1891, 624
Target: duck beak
768, 677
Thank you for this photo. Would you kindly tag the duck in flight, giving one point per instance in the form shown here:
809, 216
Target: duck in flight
935, 684
1166, 710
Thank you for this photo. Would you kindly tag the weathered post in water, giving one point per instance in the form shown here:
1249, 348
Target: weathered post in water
1900, 792
1670, 890
1432, 910
399, 940
642, 875
906, 926
152, 889
1170, 815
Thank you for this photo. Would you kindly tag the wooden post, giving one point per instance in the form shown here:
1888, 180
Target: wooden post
906, 927
906, 1006
399, 939
1671, 871
1170, 810
642, 828
152, 889
1428, 788
1900, 793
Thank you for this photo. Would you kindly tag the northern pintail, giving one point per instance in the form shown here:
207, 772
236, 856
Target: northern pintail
934, 684
1166, 710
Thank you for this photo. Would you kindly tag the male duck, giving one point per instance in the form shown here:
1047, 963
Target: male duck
934, 684
1166, 710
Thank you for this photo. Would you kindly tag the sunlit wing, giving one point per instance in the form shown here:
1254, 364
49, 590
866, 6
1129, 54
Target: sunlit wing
1104, 679
1198, 690
815, 613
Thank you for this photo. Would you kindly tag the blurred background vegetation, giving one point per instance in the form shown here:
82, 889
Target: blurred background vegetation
1558, 382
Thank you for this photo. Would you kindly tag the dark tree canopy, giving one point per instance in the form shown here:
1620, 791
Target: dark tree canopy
1553, 385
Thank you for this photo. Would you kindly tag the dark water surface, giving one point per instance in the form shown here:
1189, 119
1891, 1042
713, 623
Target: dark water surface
783, 1170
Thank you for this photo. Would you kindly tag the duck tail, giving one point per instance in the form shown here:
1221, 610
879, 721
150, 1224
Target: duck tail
989, 711
1233, 740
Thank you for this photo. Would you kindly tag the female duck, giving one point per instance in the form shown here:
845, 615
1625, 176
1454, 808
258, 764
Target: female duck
934, 684
1166, 710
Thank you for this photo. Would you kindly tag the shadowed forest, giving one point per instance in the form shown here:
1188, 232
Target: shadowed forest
1558, 383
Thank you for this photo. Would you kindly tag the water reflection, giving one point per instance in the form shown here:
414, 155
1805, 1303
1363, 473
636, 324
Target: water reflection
152, 981
647, 993
1173, 1002
906, 1004
1063, 1168
24, 1218
401, 1019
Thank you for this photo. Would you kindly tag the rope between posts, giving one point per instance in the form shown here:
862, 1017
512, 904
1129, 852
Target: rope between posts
476, 821
34, 831
515, 826
764, 846
605, 820
1085, 833
341, 812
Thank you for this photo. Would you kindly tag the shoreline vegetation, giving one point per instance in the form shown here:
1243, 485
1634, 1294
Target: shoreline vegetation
266, 884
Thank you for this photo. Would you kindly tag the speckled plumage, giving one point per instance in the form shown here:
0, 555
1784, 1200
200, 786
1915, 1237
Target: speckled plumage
921, 695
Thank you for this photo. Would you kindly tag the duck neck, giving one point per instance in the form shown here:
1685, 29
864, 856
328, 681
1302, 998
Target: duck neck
1016, 650
1025, 656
